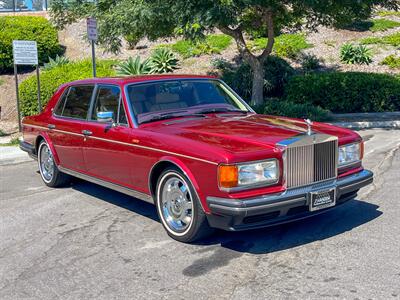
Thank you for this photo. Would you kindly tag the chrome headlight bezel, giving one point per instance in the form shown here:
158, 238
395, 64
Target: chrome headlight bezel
349, 154
255, 184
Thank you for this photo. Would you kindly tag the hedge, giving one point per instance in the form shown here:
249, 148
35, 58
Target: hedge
52, 79
346, 92
37, 29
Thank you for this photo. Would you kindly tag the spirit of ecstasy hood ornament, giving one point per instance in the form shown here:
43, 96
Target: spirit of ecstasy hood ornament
309, 124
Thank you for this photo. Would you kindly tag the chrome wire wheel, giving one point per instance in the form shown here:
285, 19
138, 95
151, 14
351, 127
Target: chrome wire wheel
46, 163
176, 204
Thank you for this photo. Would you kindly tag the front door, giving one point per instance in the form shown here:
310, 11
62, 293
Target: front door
66, 126
106, 155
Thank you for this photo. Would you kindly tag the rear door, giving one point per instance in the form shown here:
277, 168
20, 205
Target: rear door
106, 149
66, 123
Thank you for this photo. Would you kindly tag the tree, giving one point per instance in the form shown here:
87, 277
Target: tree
237, 18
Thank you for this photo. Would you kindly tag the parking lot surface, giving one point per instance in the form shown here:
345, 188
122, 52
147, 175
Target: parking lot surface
88, 242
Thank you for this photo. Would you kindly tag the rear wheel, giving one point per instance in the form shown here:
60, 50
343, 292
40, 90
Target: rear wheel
179, 207
49, 172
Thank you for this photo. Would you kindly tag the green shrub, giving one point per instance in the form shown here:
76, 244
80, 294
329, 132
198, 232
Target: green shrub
52, 79
392, 61
391, 39
163, 60
346, 92
53, 63
133, 66
27, 28
212, 44
286, 45
309, 62
132, 40
279, 107
355, 54
240, 78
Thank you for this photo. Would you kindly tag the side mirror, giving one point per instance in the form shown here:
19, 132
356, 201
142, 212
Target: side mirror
105, 116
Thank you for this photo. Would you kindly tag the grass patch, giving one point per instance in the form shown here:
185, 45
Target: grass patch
2, 133
212, 44
392, 39
387, 13
286, 45
392, 61
383, 25
1, 81
373, 25
13, 142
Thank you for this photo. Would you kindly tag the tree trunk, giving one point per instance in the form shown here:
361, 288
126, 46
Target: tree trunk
257, 95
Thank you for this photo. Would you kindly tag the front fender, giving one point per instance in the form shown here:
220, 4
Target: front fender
182, 166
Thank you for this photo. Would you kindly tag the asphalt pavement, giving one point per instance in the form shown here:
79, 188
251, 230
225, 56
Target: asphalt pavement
88, 242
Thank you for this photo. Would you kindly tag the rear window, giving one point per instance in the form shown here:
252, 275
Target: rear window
75, 102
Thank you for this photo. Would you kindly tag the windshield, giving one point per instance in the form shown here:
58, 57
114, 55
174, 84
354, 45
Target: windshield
179, 98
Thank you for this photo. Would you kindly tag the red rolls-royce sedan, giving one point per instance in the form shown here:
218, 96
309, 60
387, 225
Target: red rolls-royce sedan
194, 148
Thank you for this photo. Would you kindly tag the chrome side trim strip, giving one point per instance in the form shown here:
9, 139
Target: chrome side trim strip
153, 149
125, 144
107, 184
35, 126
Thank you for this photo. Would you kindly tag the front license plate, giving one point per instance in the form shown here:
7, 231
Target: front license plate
322, 199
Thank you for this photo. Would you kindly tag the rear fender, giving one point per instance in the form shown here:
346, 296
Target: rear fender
46, 137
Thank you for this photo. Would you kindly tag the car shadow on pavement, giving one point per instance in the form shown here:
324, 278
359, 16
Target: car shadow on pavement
258, 241
135, 205
320, 227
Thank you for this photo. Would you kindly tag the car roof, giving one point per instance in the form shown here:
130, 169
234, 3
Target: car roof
138, 78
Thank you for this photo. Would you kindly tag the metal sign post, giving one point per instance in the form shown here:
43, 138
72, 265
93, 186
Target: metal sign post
92, 36
25, 53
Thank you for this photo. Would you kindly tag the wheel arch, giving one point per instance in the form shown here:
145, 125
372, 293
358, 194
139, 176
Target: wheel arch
166, 162
45, 137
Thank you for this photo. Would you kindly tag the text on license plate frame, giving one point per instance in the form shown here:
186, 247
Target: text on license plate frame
319, 196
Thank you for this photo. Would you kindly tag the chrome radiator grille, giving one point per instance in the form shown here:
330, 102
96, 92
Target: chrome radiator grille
309, 163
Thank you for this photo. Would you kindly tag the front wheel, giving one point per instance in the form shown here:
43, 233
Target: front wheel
179, 207
49, 172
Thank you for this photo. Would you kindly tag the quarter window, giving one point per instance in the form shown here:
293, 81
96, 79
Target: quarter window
76, 102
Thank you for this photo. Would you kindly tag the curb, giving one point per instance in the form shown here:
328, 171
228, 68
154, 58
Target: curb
11, 155
369, 124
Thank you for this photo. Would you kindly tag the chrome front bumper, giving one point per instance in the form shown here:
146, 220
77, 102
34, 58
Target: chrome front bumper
235, 214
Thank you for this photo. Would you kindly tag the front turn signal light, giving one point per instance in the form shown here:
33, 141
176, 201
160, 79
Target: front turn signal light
227, 176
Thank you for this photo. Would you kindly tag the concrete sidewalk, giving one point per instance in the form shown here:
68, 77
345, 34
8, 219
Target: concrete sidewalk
10, 155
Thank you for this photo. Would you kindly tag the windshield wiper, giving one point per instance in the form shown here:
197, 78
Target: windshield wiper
165, 116
220, 110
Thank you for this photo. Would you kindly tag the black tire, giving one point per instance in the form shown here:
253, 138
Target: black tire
198, 227
57, 179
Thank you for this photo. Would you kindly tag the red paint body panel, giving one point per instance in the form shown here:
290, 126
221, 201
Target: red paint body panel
126, 155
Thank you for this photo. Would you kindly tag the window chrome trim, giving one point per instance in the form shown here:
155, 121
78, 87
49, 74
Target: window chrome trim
69, 88
133, 115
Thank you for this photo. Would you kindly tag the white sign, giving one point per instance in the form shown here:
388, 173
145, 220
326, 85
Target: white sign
91, 29
25, 53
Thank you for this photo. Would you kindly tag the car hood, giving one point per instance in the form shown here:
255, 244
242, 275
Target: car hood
238, 133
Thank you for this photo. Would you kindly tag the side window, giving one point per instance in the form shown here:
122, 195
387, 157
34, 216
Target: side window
107, 100
122, 114
76, 103
61, 103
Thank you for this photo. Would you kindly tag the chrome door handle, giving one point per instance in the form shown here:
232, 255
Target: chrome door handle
51, 126
86, 132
